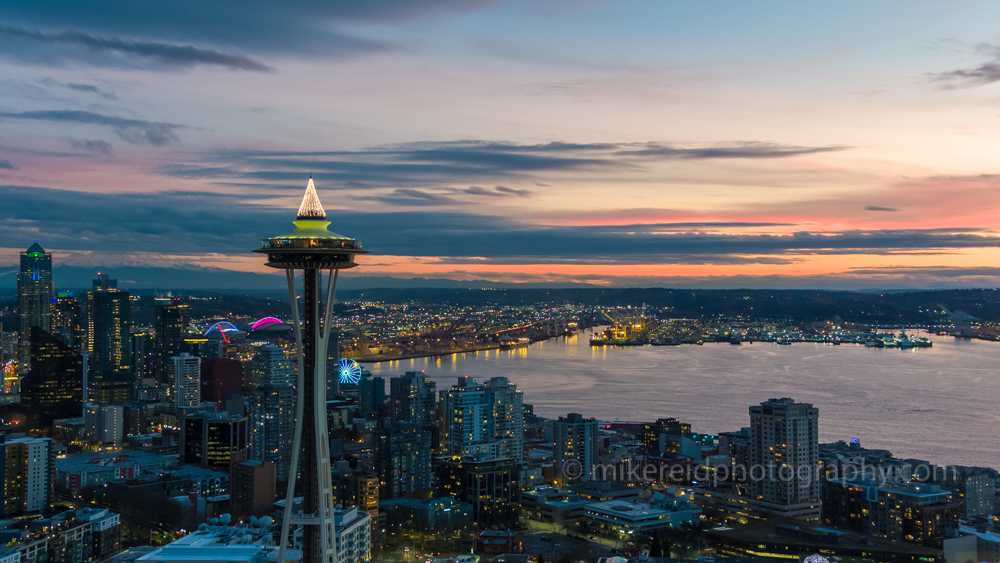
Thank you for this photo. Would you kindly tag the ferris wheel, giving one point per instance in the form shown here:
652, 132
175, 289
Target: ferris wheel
350, 371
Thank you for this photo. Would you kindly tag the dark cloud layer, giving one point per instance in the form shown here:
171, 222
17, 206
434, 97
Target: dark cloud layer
135, 131
191, 32
183, 222
441, 163
5, 164
161, 53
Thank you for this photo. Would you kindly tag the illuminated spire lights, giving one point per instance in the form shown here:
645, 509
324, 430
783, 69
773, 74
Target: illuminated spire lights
311, 208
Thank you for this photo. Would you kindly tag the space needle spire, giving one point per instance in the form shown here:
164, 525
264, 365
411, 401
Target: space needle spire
312, 248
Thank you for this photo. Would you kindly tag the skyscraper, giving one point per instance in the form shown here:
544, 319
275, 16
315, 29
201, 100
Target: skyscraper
66, 320
311, 247
54, 386
171, 327
212, 439
413, 398
221, 378
784, 445
485, 420
109, 343
506, 417
403, 460
271, 367
272, 426
371, 395
34, 293
574, 453
184, 380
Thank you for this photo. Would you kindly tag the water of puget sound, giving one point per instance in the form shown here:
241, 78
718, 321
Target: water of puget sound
940, 404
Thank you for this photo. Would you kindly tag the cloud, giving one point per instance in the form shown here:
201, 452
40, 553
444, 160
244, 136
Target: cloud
986, 73
163, 32
91, 145
499, 191
92, 89
134, 131
878, 208
88, 88
442, 163
5, 164
408, 196
746, 149
181, 56
228, 222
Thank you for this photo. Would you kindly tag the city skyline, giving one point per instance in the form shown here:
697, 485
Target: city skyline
630, 143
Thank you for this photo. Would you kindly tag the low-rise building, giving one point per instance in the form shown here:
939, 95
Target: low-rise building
77, 472
615, 517
75, 536
784, 539
551, 504
910, 512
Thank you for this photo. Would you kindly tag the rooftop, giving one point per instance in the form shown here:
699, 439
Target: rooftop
795, 533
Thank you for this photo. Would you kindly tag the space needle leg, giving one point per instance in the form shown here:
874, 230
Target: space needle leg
327, 531
299, 411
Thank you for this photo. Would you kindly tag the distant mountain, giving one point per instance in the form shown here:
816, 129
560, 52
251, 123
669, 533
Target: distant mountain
218, 279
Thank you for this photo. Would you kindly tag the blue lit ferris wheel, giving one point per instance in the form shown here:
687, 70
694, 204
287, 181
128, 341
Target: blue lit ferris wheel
350, 372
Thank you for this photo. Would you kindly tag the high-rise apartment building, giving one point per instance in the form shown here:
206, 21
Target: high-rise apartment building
272, 426
109, 343
34, 294
574, 452
144, 357
271, 367
413, 398
171, 328
490, 486
371, 395
184, 380
484, 420
211, 439
28, 475
252, 489
66, 320
104, 423
784, 445
54, 385
403, 460
221, 378
651, 432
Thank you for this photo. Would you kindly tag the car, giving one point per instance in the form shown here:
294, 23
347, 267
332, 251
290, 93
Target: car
544, 537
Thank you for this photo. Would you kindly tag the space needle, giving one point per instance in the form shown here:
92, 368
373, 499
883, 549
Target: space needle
311, 247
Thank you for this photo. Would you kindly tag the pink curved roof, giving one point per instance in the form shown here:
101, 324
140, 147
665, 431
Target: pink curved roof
265, 321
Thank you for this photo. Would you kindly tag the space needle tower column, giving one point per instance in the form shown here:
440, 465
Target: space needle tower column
311, 247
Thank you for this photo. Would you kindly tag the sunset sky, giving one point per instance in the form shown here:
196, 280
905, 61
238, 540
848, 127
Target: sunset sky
622, 143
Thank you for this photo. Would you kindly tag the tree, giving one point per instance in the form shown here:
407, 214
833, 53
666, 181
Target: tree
654, 548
